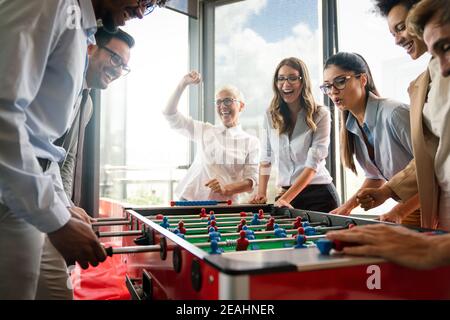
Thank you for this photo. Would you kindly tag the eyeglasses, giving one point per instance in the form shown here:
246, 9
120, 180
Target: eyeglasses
116, 61
148, 5
338, 83
228, 102
290, 79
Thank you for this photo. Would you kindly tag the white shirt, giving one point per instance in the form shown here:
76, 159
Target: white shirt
227, 154
42, 61
436, 116
305, 148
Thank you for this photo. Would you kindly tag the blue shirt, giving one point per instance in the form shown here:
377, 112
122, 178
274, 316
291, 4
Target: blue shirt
304, 149
42, 61
386, 124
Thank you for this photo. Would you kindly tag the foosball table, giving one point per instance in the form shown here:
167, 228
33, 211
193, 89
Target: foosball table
254, 252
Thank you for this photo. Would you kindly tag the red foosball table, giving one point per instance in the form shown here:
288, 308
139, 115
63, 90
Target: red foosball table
270, 255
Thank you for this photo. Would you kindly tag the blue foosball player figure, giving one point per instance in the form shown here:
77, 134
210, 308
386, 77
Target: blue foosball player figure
215, 249
178, 233
310, 231
165, 223
214, 235
255, 220
324, 246
300, 242
279, 232
250, 234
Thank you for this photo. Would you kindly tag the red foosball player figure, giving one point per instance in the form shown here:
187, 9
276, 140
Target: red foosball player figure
242, 242
269, 225
203, 213
241, 224
181, 227
243, 214
298, 223
260, 214
213, 224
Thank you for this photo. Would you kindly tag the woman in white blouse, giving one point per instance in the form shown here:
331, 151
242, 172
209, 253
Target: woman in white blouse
296, 138
226, 163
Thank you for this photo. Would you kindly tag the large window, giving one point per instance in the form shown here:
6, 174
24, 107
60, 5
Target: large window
139, 153
364, 32
252, 37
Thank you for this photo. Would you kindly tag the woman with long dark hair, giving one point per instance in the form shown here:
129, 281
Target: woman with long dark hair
297, 136
374, 130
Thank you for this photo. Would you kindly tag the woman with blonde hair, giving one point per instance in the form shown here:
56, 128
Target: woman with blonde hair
226, 162
296, 137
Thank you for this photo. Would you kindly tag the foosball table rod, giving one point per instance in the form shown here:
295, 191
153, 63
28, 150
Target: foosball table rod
197, 216
233, 243
262, 233
202, 224
132, 249
199, 203
111, 219
111, 223
256, 226
119, 233
218, 217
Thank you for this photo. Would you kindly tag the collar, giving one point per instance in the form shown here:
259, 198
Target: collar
232, 130
434, 68
88, 20
370, 116
85, 85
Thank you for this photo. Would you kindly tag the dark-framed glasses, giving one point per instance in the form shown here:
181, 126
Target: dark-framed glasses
228, 102
291, 79
338, 83
147, 5
117, 61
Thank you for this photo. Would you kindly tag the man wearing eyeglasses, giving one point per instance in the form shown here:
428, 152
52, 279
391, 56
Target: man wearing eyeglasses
43, 59
108, 60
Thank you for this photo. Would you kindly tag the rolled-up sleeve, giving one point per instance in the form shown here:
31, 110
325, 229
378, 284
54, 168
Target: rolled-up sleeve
26, 30
186, 126
320, 141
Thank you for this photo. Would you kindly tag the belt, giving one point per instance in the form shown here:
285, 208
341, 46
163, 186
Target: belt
44, 163
308, 186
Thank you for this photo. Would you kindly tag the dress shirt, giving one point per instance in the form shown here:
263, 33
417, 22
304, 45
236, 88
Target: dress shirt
227, 154
436, 116
304, 149
387, 128
43, 56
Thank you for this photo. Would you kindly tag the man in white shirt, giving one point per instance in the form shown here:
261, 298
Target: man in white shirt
37, 94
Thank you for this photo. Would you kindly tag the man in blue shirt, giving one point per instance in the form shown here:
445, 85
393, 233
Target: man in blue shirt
42, 62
